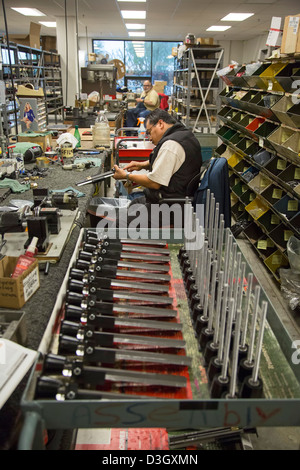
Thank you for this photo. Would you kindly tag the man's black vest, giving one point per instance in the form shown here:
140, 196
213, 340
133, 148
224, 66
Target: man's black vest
190, 167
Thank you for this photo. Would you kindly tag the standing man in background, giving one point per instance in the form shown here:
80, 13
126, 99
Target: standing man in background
148, 101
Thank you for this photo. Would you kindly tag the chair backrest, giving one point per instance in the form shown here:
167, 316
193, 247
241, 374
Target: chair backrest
216, 179
196, 180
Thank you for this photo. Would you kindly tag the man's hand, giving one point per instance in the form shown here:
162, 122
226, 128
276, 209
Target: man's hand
136, 166
119, 173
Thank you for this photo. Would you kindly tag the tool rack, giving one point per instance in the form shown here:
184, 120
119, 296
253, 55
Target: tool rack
197, 413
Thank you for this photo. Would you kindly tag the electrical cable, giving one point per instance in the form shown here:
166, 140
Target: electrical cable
10, 67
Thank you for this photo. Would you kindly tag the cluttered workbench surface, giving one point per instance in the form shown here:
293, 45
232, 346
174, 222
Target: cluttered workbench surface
58, 187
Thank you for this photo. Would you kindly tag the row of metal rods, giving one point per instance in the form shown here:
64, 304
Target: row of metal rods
227, 314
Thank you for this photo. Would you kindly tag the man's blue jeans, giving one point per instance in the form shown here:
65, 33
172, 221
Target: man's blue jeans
133, 114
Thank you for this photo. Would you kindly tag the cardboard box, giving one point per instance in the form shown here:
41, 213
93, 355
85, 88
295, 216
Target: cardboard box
159, 86
32, 39
291, 35
14, 292
92, 57
39, 138
48, 43
206, 41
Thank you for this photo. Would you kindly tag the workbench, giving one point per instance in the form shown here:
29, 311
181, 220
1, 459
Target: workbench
39, 307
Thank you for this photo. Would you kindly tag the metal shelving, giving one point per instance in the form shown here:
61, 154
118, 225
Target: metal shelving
22, 65
257, 120
196, 87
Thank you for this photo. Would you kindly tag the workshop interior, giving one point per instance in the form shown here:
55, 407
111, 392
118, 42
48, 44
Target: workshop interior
175, 337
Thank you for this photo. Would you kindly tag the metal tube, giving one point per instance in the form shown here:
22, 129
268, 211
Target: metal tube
254, 377
220, 242
227, 339
236, 284
211, 220
223, 322
215, 233
212, 296
218, 308
235, 354
227, 254
247, 309
232, 268
207, 206
253, 324
206, 283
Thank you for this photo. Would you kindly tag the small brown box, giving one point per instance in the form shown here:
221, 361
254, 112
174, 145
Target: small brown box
206, 41
291, 35
39, 138
14, 292
49, 43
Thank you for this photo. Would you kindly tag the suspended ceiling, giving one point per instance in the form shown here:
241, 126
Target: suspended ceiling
166, 19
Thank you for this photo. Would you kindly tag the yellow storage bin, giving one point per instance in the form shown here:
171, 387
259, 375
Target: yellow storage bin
256, 208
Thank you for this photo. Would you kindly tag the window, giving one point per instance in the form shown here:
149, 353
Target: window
143, 60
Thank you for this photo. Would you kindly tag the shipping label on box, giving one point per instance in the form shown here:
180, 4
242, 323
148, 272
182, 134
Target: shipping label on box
291, 35
14, 292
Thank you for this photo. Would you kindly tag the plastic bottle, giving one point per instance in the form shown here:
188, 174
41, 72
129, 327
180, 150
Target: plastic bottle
142, 129
25, 260
101, 131
77, 135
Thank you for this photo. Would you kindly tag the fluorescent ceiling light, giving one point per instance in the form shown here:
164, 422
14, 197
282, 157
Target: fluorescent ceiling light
133, 14
136, 33
127, 1
28, 11
237, 16
218, 28
49, 24
134, 26
138, 42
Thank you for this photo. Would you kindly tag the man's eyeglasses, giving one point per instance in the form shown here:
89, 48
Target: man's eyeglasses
148, 131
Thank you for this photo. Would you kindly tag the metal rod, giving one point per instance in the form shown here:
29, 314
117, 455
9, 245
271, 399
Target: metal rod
207, 212
223, 322
232, 268
236, 284
207, 283
254, 377
247, 309
211, 219
203, 271
241, 286
216, 229
253, 325
212, 296
235, 354
227, 339
227, 254
220, 242
218, 308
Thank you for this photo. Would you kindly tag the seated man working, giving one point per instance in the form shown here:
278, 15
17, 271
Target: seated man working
174, 161
148, 101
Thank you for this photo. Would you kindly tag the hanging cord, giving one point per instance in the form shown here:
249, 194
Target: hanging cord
10, 66
67, 52
77, 43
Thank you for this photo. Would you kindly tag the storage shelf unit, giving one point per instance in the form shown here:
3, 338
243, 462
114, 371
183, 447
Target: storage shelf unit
39, 68
260, 114
196, 87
